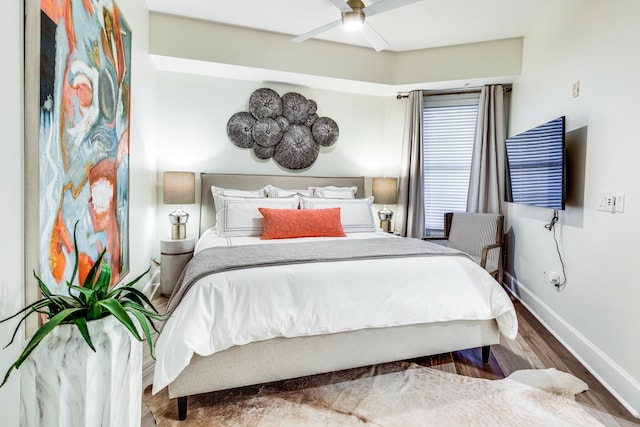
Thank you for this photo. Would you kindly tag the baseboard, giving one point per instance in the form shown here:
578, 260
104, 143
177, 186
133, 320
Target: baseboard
621, 385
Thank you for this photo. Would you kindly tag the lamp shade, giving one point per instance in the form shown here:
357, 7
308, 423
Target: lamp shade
179, 188
385, 190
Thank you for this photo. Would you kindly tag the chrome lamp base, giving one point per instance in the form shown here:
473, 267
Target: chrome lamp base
385, 216
178, 220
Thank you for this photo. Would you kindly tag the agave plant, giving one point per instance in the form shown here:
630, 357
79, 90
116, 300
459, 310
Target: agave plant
91, 300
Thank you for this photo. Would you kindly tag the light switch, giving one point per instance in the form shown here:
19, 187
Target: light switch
619, 202
602, 202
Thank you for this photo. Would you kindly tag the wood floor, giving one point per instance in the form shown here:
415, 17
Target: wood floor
534, 347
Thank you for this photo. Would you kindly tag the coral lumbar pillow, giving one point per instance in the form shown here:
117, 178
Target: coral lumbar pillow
291, 223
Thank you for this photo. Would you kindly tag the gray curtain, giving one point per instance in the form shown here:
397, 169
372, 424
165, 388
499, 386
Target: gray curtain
486, 181
410, 210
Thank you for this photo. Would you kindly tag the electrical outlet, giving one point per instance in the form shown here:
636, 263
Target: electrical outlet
551, 276
576, 89
611, 202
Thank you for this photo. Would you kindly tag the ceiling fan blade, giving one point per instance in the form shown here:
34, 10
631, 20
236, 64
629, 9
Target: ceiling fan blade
317, 31
386, 5
374, 38
342, 5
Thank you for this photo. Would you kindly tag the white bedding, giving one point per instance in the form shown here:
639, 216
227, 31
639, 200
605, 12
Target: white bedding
211, 238
242, 306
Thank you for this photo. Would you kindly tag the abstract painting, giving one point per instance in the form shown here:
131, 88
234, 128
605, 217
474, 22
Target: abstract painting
85, 74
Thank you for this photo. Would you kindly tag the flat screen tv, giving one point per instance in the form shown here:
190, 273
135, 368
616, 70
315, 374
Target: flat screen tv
536, 166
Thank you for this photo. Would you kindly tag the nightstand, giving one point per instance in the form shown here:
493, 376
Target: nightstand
174, 256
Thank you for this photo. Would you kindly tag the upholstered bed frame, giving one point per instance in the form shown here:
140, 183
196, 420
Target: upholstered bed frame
282, 358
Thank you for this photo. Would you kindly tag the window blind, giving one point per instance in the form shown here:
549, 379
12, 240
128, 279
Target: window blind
449, 123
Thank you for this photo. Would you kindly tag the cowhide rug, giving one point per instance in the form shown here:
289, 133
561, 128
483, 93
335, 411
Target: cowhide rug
395, 394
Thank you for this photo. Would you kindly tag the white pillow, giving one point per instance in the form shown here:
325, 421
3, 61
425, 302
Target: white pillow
239, 216
273, 191
238, 193
356, 215
331, 192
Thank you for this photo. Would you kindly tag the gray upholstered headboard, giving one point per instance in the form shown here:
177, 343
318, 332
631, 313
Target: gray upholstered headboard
254, 182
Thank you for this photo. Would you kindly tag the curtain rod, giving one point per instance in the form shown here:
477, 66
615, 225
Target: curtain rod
459, 92
507, 88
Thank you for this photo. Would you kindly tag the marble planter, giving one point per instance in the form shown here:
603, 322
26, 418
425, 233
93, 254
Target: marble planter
65, 383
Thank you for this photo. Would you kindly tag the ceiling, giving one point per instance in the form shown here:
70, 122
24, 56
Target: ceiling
425, 24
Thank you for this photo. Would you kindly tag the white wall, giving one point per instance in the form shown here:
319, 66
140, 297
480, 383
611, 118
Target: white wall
193, 111
142, 155
597, 314
11, 254
142, 175
179, 37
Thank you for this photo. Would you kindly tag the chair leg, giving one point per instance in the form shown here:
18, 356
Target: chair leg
486, 351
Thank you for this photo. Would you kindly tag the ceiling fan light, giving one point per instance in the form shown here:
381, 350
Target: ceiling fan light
353, 21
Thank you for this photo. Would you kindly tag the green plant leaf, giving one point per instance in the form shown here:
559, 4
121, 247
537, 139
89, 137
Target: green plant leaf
87, 292
145, 327
48, 295
147, 313
93, 307
150, 316
142, 299
43, 288
33, 308
154, 327
129, 296
129, 286
80, 299
104, 279
115, 308
89, 281
81, 323
27, 308
64, 301
6, 377
42, 332
75, 251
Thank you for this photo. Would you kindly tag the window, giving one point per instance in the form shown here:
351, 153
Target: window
449, 125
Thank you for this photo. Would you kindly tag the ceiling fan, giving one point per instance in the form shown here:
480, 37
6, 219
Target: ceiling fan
354, 14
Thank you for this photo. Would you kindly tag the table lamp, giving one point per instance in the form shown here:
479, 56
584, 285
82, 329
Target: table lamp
385, 192
178, 188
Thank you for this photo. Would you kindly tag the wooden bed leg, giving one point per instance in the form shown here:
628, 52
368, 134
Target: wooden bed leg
182, 408
486, 350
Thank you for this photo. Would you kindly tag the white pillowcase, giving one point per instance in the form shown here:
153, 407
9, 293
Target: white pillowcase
239, 216
356, 215
273, 191
331, 192
238, 193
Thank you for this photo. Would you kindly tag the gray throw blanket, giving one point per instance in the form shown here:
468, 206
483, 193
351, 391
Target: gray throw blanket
224, 258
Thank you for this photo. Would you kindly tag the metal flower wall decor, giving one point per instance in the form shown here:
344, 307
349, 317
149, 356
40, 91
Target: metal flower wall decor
286, 128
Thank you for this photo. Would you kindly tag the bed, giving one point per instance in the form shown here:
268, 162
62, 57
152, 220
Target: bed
201, 350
